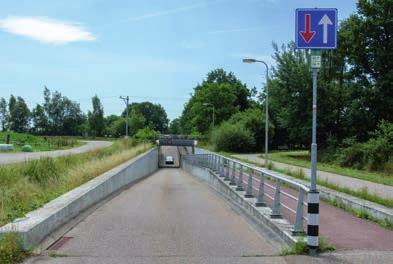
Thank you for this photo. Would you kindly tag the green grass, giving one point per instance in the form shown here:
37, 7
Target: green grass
40, 143
300, 248
27, 186
11, 250
361, 213
302, 159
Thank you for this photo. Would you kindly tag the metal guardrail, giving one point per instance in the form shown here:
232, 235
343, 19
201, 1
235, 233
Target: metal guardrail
257, 184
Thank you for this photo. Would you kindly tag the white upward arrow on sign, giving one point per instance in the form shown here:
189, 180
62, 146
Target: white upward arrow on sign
325, 21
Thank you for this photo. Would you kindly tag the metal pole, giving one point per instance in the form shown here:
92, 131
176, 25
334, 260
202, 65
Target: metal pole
313, 195
267, 116
314, 132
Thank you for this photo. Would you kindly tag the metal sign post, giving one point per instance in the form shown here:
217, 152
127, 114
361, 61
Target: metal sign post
316, 29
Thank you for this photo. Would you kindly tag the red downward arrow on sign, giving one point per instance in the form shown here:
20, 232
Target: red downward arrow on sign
308, 34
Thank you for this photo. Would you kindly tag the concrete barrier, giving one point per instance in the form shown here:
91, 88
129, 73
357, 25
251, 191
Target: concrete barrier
259, 215
38, 224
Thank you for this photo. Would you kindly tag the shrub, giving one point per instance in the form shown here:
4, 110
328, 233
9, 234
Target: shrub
27, 148
233, 138
354, 156
147, 134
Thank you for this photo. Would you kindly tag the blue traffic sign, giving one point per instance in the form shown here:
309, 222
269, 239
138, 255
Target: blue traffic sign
316, 28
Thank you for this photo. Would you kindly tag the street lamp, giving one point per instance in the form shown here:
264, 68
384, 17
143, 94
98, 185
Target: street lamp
249, 60
207, 104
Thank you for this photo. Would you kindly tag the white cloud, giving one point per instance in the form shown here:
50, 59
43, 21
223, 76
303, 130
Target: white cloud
46, 30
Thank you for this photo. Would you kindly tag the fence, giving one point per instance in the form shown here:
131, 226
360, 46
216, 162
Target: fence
284, 196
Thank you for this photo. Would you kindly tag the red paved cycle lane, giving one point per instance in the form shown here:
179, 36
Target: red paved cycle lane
343, 229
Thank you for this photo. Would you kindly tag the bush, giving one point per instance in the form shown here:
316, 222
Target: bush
10, 249
354, 156
147, 134
233, 138
375, 153
27, 148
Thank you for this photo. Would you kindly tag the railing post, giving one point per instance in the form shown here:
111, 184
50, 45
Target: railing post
240, 180
233, 181
276, 204
217, 163
249, 185
261, 193
222, 166
298, 226
227, 171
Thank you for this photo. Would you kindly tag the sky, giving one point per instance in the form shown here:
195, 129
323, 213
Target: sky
150, 50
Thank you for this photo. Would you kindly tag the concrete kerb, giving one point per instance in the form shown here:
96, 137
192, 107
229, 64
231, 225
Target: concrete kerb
40, 223
259, 215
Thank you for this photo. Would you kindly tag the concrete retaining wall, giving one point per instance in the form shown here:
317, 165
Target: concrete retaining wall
259, 215
38, 224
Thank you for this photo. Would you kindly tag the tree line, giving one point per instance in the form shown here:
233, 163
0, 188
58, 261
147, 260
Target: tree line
355, 97
58, 115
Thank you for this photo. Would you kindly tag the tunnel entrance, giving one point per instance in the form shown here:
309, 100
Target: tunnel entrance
171, 148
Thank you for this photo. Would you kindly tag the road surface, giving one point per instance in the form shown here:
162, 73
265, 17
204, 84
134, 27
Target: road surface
385, 191
8, 158
170, 217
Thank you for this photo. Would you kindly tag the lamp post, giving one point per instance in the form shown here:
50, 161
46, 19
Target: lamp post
207, 104
248, 60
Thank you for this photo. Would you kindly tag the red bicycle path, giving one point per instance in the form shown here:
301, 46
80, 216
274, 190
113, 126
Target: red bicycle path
344, 230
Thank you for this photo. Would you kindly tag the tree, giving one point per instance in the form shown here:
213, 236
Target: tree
58, 115
154, 115
39, 119
3, 113
19, 114
174, 127
370, 55
220, 90
253, 119
96, 118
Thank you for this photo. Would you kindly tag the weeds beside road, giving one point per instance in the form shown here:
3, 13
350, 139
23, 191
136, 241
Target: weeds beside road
27, 186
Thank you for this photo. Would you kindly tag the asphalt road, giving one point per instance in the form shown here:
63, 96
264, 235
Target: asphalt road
170, 217
8, 158
385, 191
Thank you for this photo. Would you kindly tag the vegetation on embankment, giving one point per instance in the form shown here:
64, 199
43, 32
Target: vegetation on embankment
302, 159
40, 143
27, 186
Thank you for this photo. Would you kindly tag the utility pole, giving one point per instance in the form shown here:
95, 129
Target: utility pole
126, 100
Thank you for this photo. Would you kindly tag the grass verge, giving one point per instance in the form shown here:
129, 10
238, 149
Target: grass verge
302, 159
40, 143
27, 186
